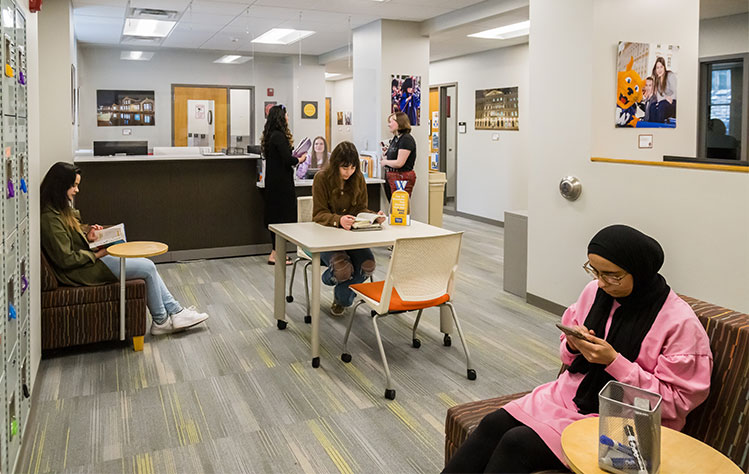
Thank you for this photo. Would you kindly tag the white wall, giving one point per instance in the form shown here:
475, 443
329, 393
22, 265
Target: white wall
309, 85
57, 53
492, 176
724, 35
700, 217
101, 68
35, 174
341, 95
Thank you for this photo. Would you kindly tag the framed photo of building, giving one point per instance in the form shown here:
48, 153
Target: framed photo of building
497, 109
115, 108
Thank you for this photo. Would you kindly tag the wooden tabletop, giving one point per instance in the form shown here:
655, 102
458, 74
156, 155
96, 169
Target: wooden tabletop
137, 249
680, 454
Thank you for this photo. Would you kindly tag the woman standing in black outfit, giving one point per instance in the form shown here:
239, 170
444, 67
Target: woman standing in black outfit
280, 196
400, 155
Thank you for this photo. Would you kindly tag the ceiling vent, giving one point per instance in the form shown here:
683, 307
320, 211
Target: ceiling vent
153, 14
141, 40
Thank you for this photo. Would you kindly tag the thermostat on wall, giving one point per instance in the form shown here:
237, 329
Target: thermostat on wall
645, 141
127, 131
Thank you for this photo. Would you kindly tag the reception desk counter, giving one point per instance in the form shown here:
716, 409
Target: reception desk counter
201, 206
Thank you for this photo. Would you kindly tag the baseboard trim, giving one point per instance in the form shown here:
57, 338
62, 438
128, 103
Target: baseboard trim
545, 304
465, 215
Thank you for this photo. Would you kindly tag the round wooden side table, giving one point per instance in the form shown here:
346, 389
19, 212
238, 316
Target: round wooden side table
132, 250
680, 453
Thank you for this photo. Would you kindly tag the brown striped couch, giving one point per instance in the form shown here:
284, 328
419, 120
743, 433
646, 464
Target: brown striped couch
722, 421
75, 315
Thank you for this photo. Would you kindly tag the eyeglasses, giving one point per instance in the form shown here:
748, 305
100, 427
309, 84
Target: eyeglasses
609, 278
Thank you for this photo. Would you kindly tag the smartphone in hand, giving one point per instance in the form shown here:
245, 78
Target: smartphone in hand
572, 332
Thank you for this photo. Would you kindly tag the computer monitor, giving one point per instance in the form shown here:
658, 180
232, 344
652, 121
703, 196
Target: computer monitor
130, 147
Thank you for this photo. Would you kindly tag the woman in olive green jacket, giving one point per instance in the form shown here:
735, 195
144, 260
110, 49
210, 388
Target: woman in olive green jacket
65, 242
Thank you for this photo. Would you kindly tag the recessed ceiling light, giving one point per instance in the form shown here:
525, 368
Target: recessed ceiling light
505, 32
331, 75
232, 59
136, 55
282, 36
147, 28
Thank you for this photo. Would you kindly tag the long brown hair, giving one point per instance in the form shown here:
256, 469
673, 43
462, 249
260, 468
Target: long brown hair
313, 154
276, 121
404, 125
54, 192
344, 154
660, 82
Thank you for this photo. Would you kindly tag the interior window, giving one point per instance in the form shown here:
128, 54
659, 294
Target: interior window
723, 88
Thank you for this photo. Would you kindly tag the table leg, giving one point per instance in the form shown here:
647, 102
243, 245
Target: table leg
122, 298
315, 310
279, 286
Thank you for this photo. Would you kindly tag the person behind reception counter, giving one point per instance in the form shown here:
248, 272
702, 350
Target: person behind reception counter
339, 193
280, 194
65, 242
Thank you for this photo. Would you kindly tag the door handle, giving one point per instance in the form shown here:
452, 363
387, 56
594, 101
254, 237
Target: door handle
210, 117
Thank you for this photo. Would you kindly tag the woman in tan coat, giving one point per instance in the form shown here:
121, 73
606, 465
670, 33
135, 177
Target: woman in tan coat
339, 193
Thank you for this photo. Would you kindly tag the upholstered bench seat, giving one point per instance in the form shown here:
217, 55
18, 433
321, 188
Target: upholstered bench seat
76, 315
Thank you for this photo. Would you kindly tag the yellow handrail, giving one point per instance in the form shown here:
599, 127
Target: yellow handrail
673, 164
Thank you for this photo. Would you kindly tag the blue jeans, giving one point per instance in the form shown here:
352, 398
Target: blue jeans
160, 302
345, 269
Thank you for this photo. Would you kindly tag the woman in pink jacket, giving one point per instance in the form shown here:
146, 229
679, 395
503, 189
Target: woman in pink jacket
640, 333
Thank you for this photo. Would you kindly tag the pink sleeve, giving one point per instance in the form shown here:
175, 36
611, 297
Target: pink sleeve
573, 317
681, 374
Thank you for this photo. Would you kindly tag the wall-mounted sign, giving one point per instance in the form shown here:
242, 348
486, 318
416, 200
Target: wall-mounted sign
309, 109
270, 92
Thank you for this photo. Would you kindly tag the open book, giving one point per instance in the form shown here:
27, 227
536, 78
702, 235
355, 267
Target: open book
366, 221
109, 236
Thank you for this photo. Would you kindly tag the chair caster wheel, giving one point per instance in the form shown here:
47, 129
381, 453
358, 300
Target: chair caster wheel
308, 319
416, 343
281, 324
471, 374
289, 299
315, 362
446, 341
390, 393
346, 357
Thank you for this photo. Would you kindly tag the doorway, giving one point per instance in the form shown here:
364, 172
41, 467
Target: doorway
443, 138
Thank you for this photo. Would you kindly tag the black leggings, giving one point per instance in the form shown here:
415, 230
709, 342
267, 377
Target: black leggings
502, 444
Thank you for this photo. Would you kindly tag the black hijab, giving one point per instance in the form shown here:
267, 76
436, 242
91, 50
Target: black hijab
642, 257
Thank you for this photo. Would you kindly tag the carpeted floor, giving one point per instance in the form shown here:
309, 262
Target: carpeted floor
238, 395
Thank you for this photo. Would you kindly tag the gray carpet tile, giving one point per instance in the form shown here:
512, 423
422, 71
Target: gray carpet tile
238, 395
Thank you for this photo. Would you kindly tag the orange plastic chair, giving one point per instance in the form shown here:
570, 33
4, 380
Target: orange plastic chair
421, 275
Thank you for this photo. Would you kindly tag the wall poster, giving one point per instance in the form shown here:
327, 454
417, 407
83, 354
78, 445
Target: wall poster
646, 79
405, 96
121, 107
497, 109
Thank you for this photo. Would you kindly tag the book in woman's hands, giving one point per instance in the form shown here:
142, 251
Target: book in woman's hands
109, 236
302, 148
366, 221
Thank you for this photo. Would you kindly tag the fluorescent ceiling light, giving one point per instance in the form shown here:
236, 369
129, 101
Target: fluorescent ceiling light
136, 55
331, 75
147, 27
232, 59
505, 32
282, 36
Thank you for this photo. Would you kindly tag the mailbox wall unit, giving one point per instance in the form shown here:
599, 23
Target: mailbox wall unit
15, 376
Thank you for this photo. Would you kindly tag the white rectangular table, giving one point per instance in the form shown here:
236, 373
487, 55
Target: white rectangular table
316, 238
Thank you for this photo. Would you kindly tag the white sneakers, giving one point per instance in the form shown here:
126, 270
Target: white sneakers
186, 318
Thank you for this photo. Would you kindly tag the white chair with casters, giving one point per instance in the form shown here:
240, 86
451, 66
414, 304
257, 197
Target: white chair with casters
421, 275
303, 214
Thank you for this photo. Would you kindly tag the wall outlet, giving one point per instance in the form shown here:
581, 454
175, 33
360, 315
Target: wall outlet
495, 137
